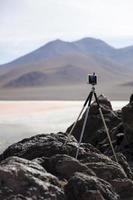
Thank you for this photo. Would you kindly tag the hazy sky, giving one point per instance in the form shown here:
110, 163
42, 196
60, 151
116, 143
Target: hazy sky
28, 24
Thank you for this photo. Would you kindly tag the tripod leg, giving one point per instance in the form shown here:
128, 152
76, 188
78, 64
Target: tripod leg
84, 124
74, 125
106, 128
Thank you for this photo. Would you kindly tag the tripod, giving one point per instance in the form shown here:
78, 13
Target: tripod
88, 104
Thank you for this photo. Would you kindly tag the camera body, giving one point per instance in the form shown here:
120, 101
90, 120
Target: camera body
92, 79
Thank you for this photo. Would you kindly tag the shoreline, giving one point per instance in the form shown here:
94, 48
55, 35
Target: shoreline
24, 119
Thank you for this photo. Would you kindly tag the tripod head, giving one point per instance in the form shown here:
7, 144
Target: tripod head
92, 79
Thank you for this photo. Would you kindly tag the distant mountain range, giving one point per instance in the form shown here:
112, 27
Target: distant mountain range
58, 70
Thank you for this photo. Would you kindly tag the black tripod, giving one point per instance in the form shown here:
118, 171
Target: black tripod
88, 104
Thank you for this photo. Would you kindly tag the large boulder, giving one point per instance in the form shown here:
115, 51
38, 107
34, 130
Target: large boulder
23, 179
65, 166
42, 145
107, 171
84, 187
47, 145
94, 132
123, 162
127, 116
106, 168
95, 160
94, 157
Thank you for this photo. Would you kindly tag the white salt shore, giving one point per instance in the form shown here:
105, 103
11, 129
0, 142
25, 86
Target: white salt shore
20, 119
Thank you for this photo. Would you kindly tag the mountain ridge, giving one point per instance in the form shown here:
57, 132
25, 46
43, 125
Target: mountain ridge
85, 40
57, 41
64, 64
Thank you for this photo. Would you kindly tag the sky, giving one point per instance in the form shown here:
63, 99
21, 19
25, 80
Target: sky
26, 25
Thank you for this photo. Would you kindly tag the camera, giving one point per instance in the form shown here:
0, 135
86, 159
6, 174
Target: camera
92, 79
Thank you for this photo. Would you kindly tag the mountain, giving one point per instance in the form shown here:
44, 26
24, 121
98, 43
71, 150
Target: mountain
58, 70
94, 46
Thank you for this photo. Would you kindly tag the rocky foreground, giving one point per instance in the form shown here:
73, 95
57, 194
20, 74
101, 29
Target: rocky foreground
41, 167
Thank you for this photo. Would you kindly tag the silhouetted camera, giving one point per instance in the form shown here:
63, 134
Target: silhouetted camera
92, 79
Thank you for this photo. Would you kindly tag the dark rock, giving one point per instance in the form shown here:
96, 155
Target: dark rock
117, 129
17, 197
120, 138
42, 145
123, 187
43, 161
95, 177
84, 187
23, 179
118, 113
65, 166
89, 148
104, 103
46, 145
93, 157
106, 168
119, 141
123, 162
131, 99
94, 131
107, 171
127, 115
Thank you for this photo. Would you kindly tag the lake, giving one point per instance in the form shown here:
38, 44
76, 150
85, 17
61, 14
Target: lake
20, 119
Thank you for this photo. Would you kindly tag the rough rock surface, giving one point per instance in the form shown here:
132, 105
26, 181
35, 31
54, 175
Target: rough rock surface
55, 167
83, 187
23, 179
40, 145
127, 116
65, 166
124, 188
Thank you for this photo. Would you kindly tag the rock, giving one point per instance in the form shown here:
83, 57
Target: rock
107, 171
131, 99
99, 165
84, 187
104, 103
123, 162
17, 197
106, 168
123, 187
93, 157
94, 131
118, 175
23, 179
42, 145
127, 116
89, 148
117, 130
65, 166
46, 145
49, 167
43, 161
118, 113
